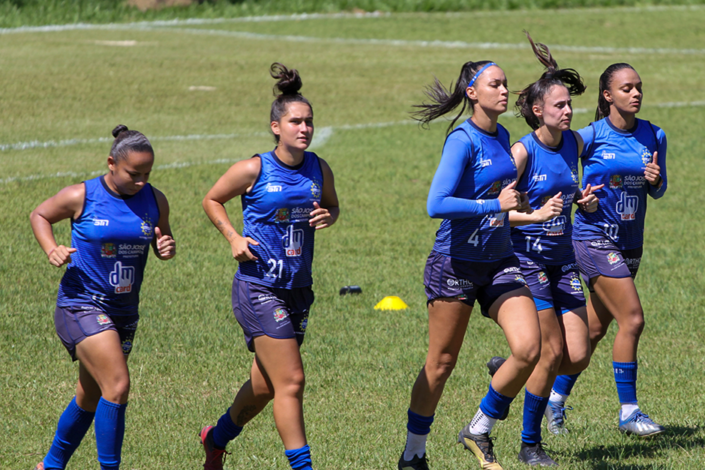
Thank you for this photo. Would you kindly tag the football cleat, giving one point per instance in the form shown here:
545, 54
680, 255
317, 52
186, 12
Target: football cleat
493, 366
40, 466
481, 446
555, 418
416, 463
214, 457
535, 455
640, 424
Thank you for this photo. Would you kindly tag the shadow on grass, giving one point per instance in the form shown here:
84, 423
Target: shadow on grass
675, 437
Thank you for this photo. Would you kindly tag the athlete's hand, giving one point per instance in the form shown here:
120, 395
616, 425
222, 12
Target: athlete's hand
588, 201
551, 209
60, 255
320, 217
241, 248
652, 172
510, 199
166, 245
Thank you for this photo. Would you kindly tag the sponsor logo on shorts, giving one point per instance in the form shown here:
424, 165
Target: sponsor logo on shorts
126, 346
122, 278
543, 279
103, 319
101, 222
512, 270
497, 219
600, 243
147, 227
264, 298
615, 182
293, 241
520, 279
461, 297
555, 227
632, 262
274, 188
459, 283
575, 282
627, 206
495, 188
279, 315
304, 324
107, 250
646, 156
613, 258
282, 215
485, 162
316, 189
569, 267
608, 155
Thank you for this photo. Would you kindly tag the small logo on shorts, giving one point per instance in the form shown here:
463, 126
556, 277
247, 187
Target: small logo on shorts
279, 315
575, 283
543, 279
461, 297
612, 258
459, 283
103, 319
520, 279
126, 346
304, 323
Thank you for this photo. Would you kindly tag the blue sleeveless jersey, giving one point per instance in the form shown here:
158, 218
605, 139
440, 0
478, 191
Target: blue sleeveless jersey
617, 159
276, 213
112, 238
475, 166
548, 171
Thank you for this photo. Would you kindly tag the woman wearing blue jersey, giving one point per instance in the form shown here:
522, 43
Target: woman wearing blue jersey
628, 155
114, 219
287, 194
472, 259
547, 165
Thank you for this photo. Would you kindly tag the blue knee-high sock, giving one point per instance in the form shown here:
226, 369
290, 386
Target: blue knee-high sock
564, 383
299, 459
109, 433
225, 431
533, 414
625, 378
494, 403
418, 424
73, 425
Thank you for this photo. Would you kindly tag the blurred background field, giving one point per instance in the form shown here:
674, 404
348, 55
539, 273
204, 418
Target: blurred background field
200, 90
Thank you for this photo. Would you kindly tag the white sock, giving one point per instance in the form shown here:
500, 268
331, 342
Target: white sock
557, 398
415, 445
627, 409
481, 423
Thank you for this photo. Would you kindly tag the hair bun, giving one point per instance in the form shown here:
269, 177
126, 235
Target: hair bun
289, 81
120, 128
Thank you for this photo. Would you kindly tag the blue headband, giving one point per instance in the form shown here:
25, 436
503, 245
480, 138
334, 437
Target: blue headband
479, 72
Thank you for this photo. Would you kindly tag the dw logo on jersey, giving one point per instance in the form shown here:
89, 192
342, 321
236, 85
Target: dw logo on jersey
293, 241
122, 278
627, 206
646, 156
555, 227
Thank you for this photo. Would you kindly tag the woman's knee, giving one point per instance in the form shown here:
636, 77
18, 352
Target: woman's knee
439, 369
527, 355
633, 323
117, 391
293, 384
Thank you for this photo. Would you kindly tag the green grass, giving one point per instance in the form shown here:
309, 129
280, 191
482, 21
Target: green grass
189, 357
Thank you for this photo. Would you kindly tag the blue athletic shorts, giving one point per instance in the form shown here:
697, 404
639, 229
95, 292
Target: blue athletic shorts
602, 258
277, 313
556, 287
468, 281
76, 323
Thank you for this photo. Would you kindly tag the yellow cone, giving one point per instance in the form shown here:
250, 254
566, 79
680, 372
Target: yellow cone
391, 302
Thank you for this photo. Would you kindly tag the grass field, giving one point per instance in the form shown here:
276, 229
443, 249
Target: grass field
65, 89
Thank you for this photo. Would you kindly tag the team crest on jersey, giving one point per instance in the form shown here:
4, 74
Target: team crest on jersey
108, 250
147, 227
495, 188
103, 319
575, 282
282, 215
646, 156
612, 258
543, 279
315, 189
279, 315
616, 182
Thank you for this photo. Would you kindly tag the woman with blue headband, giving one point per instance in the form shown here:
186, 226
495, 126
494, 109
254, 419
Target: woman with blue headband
472, 259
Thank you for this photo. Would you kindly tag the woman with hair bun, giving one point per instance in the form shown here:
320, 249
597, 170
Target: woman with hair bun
628, 156
473, 189
287, 195
114, 220
547, 165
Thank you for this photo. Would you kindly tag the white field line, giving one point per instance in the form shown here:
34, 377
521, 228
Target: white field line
319, 140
